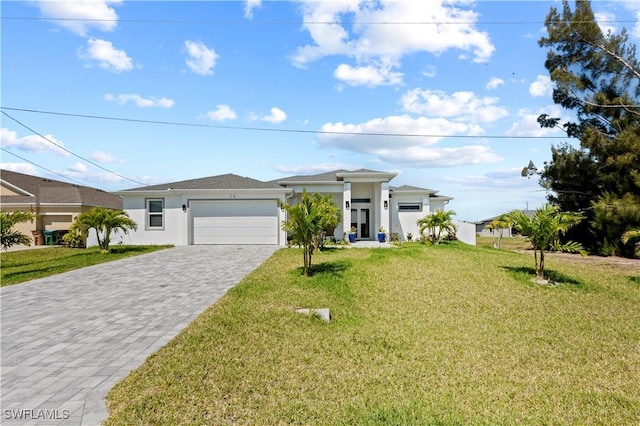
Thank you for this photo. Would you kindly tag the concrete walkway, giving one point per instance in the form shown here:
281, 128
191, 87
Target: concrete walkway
67, 339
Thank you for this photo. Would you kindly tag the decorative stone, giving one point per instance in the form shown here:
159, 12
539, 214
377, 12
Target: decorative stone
322, 313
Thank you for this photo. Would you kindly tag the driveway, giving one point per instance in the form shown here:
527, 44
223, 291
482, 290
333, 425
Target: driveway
67, 339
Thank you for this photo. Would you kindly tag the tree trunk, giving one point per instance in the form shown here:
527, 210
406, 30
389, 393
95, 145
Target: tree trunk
540, 267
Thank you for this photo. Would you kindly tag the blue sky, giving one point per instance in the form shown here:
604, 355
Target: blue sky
443, 92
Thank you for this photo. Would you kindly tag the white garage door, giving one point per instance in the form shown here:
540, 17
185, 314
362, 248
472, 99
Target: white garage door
235, 222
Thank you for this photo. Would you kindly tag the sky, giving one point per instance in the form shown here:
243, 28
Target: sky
120, 94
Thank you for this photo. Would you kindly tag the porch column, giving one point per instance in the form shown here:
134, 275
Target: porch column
385, 207
346, 212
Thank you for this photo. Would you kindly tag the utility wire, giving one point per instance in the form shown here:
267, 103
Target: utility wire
42, 167
73, 153
252, 22
266, 129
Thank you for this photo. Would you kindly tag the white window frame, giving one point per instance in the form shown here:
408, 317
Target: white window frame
149, 213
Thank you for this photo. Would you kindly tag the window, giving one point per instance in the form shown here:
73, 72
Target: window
155, 213
410, 207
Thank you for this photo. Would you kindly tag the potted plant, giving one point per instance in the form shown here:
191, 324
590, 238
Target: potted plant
382, 237
352, 234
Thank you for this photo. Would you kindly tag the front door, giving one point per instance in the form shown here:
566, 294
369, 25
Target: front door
361, 221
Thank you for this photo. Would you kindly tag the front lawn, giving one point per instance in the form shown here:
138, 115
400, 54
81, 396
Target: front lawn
420, 335
24, 265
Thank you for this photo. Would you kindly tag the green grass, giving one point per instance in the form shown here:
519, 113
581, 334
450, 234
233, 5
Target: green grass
25, 265
421, 335
507, 243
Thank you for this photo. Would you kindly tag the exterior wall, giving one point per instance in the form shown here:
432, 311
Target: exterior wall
178, 224
403, 223
47, 217
466, 232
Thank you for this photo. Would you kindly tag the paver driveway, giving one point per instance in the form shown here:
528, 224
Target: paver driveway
67, 339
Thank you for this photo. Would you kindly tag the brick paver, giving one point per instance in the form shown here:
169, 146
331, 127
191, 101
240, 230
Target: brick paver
67, 339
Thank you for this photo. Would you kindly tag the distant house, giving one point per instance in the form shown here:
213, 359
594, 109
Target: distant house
481, 226
56, 204
231, 209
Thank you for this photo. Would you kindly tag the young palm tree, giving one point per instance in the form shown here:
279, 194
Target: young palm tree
632, 235
306, 221
543, 231
436, 223
10, 236
104, 221
498, 225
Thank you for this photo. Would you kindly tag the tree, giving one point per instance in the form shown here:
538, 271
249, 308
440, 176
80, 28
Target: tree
11, 237
499, 224
307, 219
104, 221
436, 223
597, 76
543, 231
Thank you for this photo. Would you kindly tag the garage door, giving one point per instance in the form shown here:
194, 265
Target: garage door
235, 222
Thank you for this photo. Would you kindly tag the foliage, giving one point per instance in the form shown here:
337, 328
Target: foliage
307, 220
634, 237
24, 265
543, 231
104, 222
75, 238
598, 77
9, 236
437, 223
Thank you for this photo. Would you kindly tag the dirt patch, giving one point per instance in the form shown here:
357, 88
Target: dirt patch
613, 262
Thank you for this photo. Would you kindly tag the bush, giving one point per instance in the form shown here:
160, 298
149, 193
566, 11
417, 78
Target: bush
74, 239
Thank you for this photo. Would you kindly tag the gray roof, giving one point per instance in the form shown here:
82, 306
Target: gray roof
411, 188
227, 181
323, 177
49, 191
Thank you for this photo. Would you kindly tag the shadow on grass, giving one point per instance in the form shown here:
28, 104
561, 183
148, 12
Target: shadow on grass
526, 274
334, 268
635, 280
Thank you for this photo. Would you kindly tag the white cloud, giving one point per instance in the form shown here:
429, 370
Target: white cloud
104, 157
429, 71
527, 123
200, 59
309, 169
461, 106
80, 16
277, 116
494, 83
541, 87
249, 6
369, 43
78, 168
25, 168
141, 102
408, 141
606, 22
367, 76
32, 143
222, 113
108, 57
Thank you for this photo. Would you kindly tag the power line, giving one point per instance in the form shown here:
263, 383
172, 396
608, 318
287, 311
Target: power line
73, 153
266, 129
252, 22
42, 167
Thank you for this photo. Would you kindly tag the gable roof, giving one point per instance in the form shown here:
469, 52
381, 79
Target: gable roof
41, 190
226, 181
333, 176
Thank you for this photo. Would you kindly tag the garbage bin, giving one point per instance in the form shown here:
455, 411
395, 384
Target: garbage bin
48, 237
38, 240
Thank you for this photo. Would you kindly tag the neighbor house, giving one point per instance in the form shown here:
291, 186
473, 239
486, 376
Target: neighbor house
231, 209
483, 228
55, 204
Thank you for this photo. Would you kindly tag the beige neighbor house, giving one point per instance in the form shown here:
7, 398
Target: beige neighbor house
55, 204
231, 209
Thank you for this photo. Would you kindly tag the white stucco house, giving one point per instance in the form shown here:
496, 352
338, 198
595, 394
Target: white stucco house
230, 209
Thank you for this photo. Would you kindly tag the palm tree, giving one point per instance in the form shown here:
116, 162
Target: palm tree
436, 223
499, 224
10, 236
104, 221
543, 231
306, 221
632, 235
